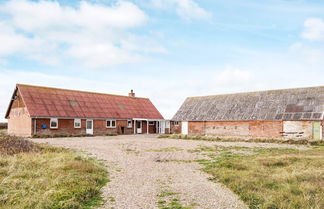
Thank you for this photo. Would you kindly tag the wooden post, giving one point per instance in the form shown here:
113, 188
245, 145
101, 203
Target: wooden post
147, 126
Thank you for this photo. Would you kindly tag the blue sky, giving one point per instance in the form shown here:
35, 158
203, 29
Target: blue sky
163, 49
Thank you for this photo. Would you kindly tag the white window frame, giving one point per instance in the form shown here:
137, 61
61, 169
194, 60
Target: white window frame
53, 120
78, 121
151, 123
129, 123
110, 124
176, 123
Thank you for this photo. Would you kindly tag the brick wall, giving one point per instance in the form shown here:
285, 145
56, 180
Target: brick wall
249, 129
270, 129
66, 127
19, 122
175, 129
152, 128
221, 128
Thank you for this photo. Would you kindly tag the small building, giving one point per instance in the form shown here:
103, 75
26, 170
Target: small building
287, 113
36, 110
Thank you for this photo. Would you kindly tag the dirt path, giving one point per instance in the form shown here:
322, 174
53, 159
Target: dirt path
145, 170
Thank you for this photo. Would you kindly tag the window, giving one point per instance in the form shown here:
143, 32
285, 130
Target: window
77, 123
176, 123
151, 123
129, 123
111, 123
54, 123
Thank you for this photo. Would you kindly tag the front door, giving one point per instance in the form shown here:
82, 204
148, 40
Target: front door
162, 127
184, 128
317, 130
139, 127
89, 127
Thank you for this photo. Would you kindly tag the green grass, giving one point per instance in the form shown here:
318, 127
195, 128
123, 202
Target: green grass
171, 204
166, 193
271, 178
34, 176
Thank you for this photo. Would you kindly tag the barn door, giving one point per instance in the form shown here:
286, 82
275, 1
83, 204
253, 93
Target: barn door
317, 130
184, 127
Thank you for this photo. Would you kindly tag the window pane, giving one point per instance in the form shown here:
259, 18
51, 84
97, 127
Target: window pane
113, 123
108, 123
77, 123
89, 124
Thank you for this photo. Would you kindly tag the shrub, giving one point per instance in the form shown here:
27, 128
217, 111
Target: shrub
13, 145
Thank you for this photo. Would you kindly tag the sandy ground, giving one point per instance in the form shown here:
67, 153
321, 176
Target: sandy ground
141, 167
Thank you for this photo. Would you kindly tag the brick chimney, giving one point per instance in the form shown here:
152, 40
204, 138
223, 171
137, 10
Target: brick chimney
131, 94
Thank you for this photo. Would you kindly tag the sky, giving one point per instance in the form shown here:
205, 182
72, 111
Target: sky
165, 50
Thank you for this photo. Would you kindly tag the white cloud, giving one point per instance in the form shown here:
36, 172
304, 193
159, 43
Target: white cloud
186, 9
232, 75
313, 29
306, 54
96, 35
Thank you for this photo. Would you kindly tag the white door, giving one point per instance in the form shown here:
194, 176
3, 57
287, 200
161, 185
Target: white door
89, 127
139, 127
184, 127
162, 127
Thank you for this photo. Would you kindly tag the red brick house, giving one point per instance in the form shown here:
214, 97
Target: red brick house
287, 113
36, 110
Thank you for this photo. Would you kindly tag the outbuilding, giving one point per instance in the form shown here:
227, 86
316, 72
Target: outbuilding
37, 110
287, 113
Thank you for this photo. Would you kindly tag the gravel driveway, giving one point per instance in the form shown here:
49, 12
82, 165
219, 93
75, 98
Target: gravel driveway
144, 169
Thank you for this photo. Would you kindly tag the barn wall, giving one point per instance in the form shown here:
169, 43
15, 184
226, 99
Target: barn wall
221, 128
298, 129
271, 129
19, 122
253, 129
175, 129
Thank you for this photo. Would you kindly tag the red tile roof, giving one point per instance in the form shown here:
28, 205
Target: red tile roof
54, 102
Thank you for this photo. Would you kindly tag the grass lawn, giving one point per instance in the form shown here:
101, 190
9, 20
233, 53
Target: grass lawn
269, 178
39, 176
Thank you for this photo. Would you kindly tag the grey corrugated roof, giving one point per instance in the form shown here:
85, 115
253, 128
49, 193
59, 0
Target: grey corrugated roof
285, 104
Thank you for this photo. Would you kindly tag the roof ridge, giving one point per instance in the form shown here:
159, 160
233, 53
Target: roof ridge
91, 92
254, 92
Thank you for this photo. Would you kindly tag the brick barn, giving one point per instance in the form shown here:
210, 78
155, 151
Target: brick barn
288, 113
36, 110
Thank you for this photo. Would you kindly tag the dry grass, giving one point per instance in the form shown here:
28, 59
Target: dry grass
34, 176
261, 140
3, 132
271, 178
14, 145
